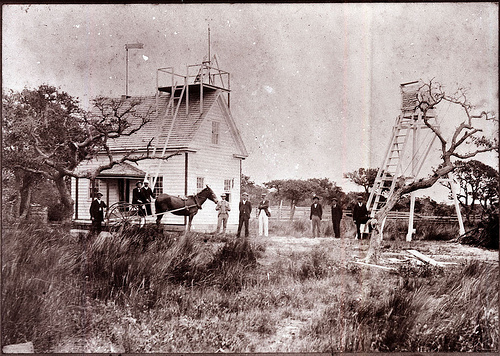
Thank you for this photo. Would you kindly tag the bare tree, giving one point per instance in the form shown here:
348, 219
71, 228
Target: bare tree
465, 135
47, 135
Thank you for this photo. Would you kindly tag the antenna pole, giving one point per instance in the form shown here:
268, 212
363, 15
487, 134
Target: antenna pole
209, 59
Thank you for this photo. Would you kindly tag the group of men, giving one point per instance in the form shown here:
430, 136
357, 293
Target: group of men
359, 215
245, 210
142, 196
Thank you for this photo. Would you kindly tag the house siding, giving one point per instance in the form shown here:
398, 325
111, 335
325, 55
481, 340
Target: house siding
215, 163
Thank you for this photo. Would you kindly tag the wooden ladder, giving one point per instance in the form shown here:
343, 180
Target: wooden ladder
171, 111
388, 173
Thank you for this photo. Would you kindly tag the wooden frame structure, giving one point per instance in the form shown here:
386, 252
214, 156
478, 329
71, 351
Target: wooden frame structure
409, 123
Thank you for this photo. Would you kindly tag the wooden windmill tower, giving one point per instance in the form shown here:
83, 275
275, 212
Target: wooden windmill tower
408, 149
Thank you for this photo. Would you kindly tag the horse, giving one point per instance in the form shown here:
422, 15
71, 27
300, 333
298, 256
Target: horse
188, 206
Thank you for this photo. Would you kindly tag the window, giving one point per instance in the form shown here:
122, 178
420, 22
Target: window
200, 183
158, 189
215, 132
228, 184
99, 186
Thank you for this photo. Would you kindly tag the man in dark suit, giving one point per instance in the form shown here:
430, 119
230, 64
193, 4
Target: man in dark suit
315, 216
245, 211
138, 198
336, 217
97, 214
359, 215
148, 195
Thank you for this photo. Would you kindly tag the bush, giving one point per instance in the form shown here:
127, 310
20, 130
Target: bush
56, 212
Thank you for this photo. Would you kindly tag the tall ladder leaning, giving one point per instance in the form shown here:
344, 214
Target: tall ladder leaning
171, 111
391, 169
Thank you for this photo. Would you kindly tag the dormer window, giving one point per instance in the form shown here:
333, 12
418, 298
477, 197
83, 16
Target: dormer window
215, 132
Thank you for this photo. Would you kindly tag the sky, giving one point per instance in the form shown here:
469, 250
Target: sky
315, 88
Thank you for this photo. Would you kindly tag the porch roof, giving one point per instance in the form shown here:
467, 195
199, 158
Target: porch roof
122, 170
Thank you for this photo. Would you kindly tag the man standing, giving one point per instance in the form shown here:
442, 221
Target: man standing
148, 195
264, 216
336, 217
245, 211
97, 214
359, 215
315, 216
138, 198
223, 208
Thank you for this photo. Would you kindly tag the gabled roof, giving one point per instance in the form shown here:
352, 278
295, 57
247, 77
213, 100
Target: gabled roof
184, 128
123, 169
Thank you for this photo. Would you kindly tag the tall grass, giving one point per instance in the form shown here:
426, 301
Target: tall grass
425, 230
149, 291
38, 285
51, 277
454, 313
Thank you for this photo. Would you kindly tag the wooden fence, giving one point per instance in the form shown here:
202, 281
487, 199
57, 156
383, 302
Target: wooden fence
301, 212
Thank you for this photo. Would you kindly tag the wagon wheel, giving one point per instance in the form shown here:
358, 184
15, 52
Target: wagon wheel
121, 216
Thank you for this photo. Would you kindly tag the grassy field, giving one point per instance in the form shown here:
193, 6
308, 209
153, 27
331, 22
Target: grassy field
151, 292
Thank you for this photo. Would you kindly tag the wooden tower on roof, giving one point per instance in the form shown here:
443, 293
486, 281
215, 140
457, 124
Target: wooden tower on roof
183, 91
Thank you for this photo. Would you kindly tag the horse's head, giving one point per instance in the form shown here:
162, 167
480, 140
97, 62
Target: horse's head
208, 193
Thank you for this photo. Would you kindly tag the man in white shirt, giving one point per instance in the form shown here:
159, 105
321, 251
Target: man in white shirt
223, 208
264, 214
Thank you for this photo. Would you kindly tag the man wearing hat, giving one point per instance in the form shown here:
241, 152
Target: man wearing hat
245, 211
336, 217
263, 214
223, 208
148, 195
359, 215
315, 216
97, 214
138, 198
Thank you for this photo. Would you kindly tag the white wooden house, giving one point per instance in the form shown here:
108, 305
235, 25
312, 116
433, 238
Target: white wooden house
192, 119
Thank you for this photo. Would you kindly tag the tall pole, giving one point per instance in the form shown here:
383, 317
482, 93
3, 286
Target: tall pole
126, 71
416, 127
209, 59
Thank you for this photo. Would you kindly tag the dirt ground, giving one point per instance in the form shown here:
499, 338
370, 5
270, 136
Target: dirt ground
351, 249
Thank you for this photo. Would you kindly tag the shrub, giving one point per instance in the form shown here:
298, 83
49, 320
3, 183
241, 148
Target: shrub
56, 212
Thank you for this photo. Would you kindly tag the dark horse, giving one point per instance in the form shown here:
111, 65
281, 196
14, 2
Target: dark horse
188, 206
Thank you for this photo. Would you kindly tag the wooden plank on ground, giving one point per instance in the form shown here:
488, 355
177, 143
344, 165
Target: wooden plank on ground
425, 258
377, 266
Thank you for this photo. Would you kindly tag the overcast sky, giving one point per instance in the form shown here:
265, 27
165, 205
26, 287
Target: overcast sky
315, 87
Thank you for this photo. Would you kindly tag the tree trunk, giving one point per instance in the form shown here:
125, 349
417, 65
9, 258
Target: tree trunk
65, 196
25, 202
292, 210
373, 253
24, 195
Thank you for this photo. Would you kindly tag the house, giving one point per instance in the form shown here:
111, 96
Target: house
192, 120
